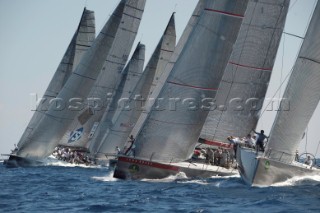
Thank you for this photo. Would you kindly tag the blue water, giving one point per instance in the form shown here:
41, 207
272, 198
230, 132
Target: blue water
78, 189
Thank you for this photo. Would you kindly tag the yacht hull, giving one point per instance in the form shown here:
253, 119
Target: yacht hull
135, 169
261, 171
16, 161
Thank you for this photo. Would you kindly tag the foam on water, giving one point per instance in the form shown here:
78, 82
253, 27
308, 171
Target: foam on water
171, 178
108, 178
52, 161
296, 181
226, 177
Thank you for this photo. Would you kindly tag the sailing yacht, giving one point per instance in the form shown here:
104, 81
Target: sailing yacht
116, 127
79, 134
245, 80
79, 44
131, 75
42, 138
165, 138
277, 163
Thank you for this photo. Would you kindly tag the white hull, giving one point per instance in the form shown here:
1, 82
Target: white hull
261, 171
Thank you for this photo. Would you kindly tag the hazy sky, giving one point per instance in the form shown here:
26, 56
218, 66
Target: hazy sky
35, 34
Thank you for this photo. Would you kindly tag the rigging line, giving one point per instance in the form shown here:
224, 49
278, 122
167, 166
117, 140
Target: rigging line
232, 82
305, 147
282, 62
288, 75
306, 28
317, 149
290, 34
276, 92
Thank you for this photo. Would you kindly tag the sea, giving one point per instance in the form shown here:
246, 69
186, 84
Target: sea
61, 187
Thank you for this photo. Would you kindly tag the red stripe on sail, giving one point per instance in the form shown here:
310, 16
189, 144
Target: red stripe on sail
148, 163
224, 13
195, 87
251, 67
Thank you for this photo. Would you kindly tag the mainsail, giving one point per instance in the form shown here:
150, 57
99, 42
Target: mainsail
82, 129
81, 41
302, 94
46, 134
247, 75
173, 126
119, 128
168, 68
130, 77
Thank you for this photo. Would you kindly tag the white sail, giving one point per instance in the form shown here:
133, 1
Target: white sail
247, 75
80, 42
174, 124
168, 68
119, 128
130, 77
45, 136
302, 95
83, 127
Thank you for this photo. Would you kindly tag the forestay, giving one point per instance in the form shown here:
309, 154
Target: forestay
247, 75
174, 124
302, 94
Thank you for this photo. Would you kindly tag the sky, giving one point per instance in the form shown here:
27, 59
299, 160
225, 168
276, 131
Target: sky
35, 34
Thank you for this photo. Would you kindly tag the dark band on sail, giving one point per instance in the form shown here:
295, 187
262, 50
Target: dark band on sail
106, 34
250, 67
83, 76
125, 29
88, 26
225, 13
131, 16
114, 62
135, 8
309, 59
56, 117
191, 86
67, 63
82, 45
50, 96
86, 32
167, 50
